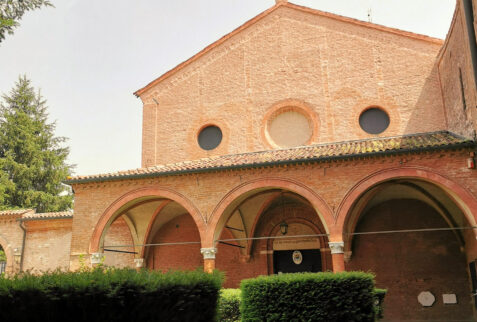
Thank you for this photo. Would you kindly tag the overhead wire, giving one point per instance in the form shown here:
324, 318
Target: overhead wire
226, 241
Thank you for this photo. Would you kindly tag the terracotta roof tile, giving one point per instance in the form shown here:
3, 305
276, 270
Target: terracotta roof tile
30, 214
14, 212
47, 215
313, 153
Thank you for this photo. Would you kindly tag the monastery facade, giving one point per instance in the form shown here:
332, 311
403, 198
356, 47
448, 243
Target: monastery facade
301, 141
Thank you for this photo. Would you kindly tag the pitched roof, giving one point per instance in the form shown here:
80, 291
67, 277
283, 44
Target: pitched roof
269, 11
314, 153
47, 215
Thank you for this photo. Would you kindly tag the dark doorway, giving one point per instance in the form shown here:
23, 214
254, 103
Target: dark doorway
283, 261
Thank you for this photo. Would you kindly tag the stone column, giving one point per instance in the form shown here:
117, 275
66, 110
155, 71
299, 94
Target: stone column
209, 258
97, 258
17, 259
337, 256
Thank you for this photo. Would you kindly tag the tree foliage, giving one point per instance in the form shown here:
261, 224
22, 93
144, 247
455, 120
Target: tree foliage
32, 160
11, 11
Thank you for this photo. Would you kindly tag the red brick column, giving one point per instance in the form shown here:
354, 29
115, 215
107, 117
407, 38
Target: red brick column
209, 258
337, 256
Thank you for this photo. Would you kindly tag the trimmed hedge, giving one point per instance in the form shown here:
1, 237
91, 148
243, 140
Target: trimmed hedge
110, 295
379, 295
346, 296
229, 305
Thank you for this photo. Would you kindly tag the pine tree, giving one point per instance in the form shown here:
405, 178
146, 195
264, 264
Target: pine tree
11, 11
32, 160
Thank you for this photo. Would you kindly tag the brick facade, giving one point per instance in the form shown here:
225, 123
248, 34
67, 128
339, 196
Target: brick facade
227, 208
293, 53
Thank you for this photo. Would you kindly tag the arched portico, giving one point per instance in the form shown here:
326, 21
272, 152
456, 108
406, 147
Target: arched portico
141, 208
252, 213
223, 210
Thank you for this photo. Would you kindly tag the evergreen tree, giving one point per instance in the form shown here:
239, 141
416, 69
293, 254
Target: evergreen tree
32, 160
11, 11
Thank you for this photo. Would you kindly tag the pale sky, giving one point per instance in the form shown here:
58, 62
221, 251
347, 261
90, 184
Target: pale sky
89, 56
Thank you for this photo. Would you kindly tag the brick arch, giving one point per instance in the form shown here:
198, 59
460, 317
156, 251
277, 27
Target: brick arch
463, 198
217, 219
263, 212
111, 212
7, 248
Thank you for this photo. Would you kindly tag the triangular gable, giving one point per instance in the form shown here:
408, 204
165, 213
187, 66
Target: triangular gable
268, 12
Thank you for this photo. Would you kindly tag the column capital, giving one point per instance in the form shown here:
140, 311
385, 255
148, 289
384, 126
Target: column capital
208, 253
336, 247
96, 258
139, 262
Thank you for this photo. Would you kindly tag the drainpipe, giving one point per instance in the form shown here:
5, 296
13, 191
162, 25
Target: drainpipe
22, 226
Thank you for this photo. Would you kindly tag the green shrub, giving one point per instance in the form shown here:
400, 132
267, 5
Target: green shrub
229, 305
346, 296
110, 295
379, 295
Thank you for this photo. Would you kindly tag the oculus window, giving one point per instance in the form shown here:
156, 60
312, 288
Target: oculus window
374, 120
210, 137
290, 128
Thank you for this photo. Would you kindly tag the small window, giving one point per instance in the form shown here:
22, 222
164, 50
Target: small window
210, 137
374, 120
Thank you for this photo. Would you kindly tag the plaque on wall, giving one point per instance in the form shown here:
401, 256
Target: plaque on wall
297, 257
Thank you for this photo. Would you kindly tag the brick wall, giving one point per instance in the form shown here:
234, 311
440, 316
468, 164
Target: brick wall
11, 236
457, 78
409, 263
47, 245
228, 259
179, 229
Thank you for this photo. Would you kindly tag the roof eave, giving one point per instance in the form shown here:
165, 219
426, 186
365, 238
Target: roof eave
460, 145
45, 218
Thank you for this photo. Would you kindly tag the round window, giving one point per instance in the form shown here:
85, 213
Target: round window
210, 137
374, 120
290, 128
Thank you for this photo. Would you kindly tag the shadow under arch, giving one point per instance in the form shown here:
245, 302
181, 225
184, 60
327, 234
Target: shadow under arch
398, 223
129, 198
224, 209
7, 248
462, 198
